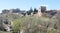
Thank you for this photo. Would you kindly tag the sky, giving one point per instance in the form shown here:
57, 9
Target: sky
26, 4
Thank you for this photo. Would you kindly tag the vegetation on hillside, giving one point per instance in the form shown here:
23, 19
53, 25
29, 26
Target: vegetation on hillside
33, 24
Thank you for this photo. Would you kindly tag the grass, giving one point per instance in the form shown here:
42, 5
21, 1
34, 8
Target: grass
4, 32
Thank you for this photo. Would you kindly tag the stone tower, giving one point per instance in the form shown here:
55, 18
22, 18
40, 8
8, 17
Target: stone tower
43, 9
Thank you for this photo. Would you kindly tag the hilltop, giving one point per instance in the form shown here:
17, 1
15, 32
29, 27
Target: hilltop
32, 21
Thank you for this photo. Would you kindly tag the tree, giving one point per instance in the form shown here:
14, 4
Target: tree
30, 11
35, 10
16, 10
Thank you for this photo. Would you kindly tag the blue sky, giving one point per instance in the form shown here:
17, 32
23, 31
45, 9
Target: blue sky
26, 4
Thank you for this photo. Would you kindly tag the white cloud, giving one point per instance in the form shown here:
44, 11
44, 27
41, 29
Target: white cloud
44, 5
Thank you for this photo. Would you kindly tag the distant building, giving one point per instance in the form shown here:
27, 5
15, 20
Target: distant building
5, 11
42, 11
43, 8
11, 11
